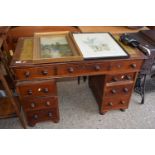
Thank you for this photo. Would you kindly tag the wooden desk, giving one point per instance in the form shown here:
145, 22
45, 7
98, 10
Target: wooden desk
111, 81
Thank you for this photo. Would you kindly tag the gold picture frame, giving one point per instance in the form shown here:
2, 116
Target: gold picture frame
55, 47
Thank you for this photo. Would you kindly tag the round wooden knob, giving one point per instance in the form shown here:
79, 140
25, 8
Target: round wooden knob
49, 114
33, 105
48, 103
118, 66
113, 91
44, 72
29, 92
123, 102
70, 69
114, 79
35, 116
126, 90
128, 77
27, 74
110, 104
97, 67
133, 66
45, 90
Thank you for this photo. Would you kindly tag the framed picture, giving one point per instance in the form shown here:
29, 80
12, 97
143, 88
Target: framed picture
55, 47
98, 45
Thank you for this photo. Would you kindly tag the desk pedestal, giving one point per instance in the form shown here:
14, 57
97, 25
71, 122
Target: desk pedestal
112, 92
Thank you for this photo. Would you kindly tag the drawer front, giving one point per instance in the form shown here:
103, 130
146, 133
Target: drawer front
39, 103
131, 65
120, 77
82, 69
98, 68
42, 115
34, 73
118, 90
115, 103
71, 69
41, 88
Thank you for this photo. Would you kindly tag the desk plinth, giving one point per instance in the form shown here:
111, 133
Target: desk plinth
111, 82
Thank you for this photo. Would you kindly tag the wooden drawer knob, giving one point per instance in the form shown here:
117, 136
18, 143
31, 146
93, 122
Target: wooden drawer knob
27, 74
118, 66
113, 91
128, 77
110, 104
45, 90
49, 114
133, 66
97, 68
70, 69
126, 90
114, 79
48, 103
44, 72
123, 102
33, 105
29, 92
35, 116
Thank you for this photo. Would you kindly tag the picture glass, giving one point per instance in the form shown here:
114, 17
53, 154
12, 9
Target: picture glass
54, 47
96, 45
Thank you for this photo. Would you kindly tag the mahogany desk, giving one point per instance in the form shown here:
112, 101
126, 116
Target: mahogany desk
111, 81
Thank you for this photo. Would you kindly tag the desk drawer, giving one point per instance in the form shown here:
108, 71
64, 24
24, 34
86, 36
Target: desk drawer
42, 115
129, 65
118, 90
121, 77
82, 69
120, 102
37, 88
34, 73
39, 103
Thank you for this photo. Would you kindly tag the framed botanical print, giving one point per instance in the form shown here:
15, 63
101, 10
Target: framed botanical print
55, 47
98, 45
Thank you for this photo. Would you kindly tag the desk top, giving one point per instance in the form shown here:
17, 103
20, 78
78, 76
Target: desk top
111, 29
24, 53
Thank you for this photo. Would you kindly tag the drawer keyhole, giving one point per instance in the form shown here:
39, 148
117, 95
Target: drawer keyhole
29, 92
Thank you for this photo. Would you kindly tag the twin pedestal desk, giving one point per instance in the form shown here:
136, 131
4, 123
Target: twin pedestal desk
111, 81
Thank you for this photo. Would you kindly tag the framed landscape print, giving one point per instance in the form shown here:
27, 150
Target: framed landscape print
98, 45
55, 47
